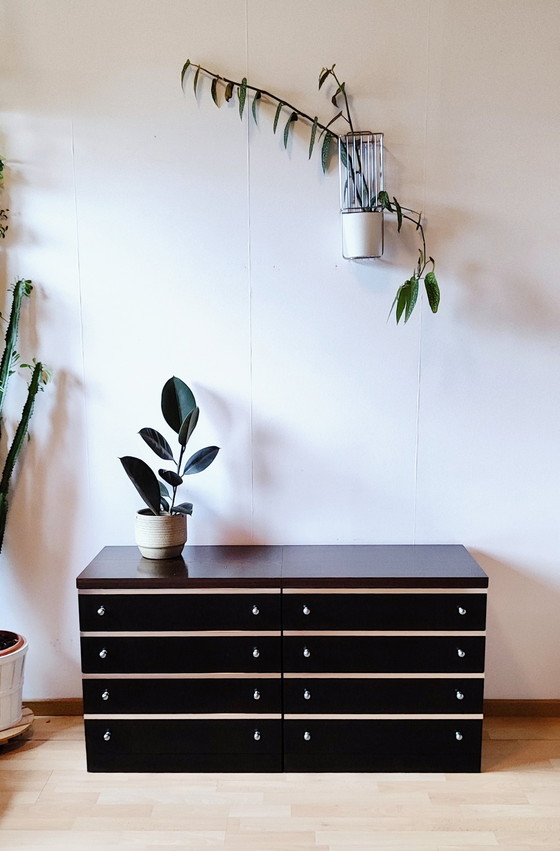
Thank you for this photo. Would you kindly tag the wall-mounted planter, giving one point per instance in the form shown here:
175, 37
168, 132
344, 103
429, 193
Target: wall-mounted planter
361, 181
13, 649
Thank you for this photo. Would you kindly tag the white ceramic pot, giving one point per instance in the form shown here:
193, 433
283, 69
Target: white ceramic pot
160, 536
362, 234
12, 660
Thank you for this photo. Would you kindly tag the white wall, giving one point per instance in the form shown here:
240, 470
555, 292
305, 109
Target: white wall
167, 237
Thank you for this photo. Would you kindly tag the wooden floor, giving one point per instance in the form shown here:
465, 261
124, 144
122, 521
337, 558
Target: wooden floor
48, 800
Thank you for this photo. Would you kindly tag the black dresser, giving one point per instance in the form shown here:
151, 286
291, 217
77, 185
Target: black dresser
295, 658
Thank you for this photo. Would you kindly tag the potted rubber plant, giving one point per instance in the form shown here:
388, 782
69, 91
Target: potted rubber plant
161, 527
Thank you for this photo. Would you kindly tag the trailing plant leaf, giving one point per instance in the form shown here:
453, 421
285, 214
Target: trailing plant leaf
188, 426
412, 298
177, 401
22, 289
242, 95
256, 99
144, 480
196, 76
339, 91
402, 298
326, 151
228, 92
384, 201
200, 460
184, 71
172, 478
432, 291
398, 211
157, 443
293, 117
312, 137
214, 91
183, 508
323, 76
277, 116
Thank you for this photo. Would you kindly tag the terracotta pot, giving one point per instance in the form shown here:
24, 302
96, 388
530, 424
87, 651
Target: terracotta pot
160, 536
12, 658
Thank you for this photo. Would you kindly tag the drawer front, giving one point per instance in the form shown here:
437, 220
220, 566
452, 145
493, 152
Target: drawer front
210, 695
415, 745
384, 611
166, 655
179, 745
383, 695
152, 612
383, 654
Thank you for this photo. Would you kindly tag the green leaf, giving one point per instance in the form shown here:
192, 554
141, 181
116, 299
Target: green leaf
214, 90
188, 426
229, 92
256, 99
172, 478
277, 116
326, 151
177, 401
398, 211
338, 92
184, 71
242, 95
200, 460
412, 298
313, 134
432, 291
195, 81
163, 490
293, 117
157, 443
402, 299
383, 201
144, 480
183, 508
323, 76
344, 155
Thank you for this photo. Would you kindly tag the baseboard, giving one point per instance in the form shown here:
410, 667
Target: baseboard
535, 708
528, 708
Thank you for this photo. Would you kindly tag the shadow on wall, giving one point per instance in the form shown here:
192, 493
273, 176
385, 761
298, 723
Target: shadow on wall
523, 632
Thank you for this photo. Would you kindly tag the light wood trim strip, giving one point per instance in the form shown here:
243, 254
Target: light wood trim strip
182, 716
315, 676
173, 591
227, 633
385, 591
381, 632
226, 675
382, 717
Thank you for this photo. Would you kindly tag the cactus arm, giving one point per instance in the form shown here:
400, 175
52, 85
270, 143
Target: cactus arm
37, 379
21, 289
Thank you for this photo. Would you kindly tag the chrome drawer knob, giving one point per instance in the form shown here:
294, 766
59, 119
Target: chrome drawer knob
107, 735
459, 695
255, 610
256, 653
103, 653
306, 695
256, 695
306, 610
105, 695
461, 610
101, 611
306, 652
459, 736
460, 653
307, 736
256, 735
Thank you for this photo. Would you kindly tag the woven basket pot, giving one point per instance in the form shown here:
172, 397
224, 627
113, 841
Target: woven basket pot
160, 536
13, 649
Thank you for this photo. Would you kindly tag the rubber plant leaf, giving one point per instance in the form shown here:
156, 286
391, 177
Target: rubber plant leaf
242, 94
177, 401
293, 117
183, 508
157, 443
277, 116
188, 426
214, 90
144, 480
172, 478
200, 460
432, 291
313, 134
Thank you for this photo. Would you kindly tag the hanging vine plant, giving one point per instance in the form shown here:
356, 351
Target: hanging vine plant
324, 138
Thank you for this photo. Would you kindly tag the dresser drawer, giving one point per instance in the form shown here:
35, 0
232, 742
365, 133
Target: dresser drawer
414, 611
387, 745
383, 695
383, 654
171, 654
183, 745
179, 611
198, 695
